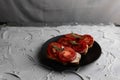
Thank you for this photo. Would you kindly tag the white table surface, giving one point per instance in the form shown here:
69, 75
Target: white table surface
19, 46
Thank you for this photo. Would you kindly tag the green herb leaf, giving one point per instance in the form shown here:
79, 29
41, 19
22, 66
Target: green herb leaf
56, 48
76, 36
73, 42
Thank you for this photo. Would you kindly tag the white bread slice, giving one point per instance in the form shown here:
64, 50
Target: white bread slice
85, 50
77, 59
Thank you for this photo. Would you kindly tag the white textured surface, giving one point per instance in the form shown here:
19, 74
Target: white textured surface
19, 46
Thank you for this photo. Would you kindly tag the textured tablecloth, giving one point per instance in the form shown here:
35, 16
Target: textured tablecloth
19, 47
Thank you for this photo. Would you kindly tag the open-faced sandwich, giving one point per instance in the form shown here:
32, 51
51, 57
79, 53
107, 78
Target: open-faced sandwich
69, 48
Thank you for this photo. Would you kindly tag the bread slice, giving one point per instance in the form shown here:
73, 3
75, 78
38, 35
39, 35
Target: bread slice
77, 59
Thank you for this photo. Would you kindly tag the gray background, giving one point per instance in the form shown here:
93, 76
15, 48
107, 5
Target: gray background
30, 12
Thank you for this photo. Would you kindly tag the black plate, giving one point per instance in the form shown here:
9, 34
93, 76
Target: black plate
92, 55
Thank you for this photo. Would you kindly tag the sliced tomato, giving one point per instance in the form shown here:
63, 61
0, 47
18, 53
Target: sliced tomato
81, 47
67, 55
53, 49
88, 39
65, 41
73, 36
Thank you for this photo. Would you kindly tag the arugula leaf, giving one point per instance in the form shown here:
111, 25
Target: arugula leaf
73, 42
76, 36
56, 48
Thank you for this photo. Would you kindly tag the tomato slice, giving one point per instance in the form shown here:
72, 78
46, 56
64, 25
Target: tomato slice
53, 49
81, 47
67, 55
65, 41
73, 36
88, 39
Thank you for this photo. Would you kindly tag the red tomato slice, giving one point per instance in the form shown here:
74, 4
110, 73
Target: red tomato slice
67, 55
73, 36
65, 41
81, 47
88, 39
53, 49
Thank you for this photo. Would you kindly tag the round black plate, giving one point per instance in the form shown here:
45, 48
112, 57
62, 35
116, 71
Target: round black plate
92, 55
